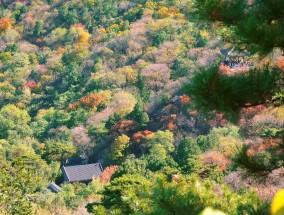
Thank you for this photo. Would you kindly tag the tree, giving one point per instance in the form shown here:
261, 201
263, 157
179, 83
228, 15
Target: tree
14, 119
16, 187
5, 23
58, 151
211, 90
159, 158
38, 28
123, 193
82, 141
123, 103
155, 76
186, 149
119, 147
22, 175
190, 195
57, 36
139, 114
107, 173
259, 24
163, 138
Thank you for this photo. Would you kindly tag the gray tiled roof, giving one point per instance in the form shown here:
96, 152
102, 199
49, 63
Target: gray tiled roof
54, 187
81, 172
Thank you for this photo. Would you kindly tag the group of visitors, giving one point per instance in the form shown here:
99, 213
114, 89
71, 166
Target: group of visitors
236, 63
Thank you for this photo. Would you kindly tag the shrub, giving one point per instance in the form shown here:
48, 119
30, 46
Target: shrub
213, 139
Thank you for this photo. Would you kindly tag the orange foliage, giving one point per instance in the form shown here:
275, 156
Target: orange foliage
41, 112
137, 137
214, 158
5, 23
78, 25
107, 173
265, 144
184, 99
39, 40
281, 64
226, 70
91, 101
123, 126
60, 50
172, 126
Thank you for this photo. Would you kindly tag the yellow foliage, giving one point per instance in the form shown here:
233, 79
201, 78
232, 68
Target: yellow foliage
119, 33
123, 103
228, 146
150, 5
277, 112
103, 31
5, 56
7, 87
113, 27
204, 34
45, 78
38, 87
159, 24
84, 38
277, 206
163, 12
89, 2
131, 75
118, 147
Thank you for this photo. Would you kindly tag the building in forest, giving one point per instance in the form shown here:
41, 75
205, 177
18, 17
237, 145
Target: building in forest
82, 173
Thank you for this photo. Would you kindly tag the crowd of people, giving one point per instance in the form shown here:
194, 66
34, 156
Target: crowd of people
234, 64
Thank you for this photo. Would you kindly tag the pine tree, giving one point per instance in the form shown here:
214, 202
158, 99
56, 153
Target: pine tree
256, 24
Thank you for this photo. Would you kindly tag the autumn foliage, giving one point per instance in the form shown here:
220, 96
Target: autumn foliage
214, 158
5, 23
91, 101
107, 173
137, 137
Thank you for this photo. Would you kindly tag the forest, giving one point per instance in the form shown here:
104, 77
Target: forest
177, 105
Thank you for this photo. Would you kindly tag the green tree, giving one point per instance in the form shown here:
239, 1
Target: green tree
159, 158
139, 114
257, 24
58, 151
211, 90
17, 189
186, 149
191, 195
38, 28
119, 148
14, 119
123, 193
163, 138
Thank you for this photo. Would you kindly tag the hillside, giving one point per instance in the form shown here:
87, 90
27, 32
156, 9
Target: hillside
179, 103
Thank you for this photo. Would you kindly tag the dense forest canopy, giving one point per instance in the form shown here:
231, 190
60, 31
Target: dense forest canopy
180, 101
